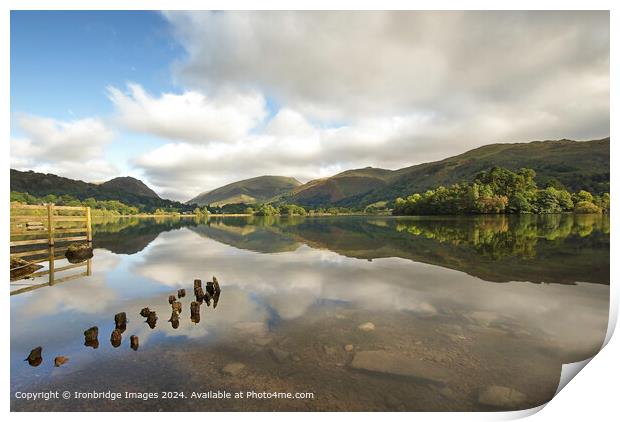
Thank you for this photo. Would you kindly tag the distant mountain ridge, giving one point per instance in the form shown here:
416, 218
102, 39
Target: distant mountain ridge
248, 191
128, 190
574, 164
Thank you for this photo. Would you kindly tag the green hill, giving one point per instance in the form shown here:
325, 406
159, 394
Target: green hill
249, 191
573, 164
127, 190
130, 185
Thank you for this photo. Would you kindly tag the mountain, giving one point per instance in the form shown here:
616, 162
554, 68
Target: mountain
130, 185
249, 191
573, 164
125, 189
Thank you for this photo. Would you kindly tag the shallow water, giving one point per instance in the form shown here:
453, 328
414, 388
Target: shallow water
455, 304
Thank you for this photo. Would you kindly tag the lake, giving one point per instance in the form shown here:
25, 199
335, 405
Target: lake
342, 313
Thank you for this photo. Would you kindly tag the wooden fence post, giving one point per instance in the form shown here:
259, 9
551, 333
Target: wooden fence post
50, 224
51, 265
89, 230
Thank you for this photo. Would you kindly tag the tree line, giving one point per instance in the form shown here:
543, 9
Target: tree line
112, 207
501, 191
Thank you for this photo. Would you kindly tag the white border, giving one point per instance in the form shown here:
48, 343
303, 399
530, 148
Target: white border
591, 395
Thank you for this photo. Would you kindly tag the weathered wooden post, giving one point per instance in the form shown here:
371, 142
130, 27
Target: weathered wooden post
151, 319
89, 230
116, 338
120, 321
51, 265
134, 342
195, 312
90, 337
50, 224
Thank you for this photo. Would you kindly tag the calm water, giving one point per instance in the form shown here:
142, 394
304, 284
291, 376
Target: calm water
455, 305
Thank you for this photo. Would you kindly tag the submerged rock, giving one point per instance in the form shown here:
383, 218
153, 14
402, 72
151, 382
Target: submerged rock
279, 355
90, 337
233, 369
60, 360
501, 397
367, 326
134, 342
79, 252
385, 362
34, 358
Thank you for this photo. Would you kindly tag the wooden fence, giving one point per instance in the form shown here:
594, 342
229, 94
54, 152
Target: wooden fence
53, 226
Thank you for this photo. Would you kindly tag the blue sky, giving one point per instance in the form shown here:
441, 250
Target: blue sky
62, 62
189, 101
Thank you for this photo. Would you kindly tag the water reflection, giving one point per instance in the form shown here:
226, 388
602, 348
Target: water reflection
297, 293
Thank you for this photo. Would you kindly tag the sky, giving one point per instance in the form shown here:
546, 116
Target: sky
190, 101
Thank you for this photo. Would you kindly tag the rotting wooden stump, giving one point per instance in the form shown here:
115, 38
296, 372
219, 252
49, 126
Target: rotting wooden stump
116, 338
174, 320
181, 293
176, 307
151, 319
120, 321
134, 342
171, 299
34, 358
199, 293
209, 288
90, 337
195, 312
145, 312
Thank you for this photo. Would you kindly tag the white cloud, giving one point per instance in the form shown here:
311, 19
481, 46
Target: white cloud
352, 89
338, 65
190, 116
68, 148
372, 88
289, 146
